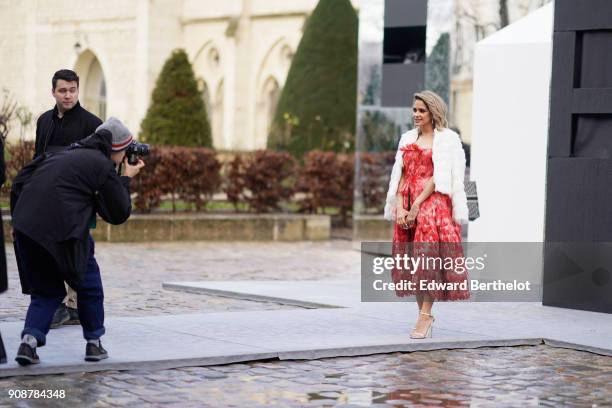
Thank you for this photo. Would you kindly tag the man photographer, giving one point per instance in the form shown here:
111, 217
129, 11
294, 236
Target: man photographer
53, 200
67, 123
3, 271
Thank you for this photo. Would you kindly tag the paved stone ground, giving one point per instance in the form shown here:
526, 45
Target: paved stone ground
133, 274
491, 377
496, 377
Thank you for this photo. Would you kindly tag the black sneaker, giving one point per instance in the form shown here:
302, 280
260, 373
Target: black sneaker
26, 355
2, 351
73, 316
95, 353
60, 316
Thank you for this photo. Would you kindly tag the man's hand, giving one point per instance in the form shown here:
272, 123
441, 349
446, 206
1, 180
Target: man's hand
130, 170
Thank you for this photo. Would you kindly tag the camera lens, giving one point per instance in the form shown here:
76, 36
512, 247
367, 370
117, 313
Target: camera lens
135, 151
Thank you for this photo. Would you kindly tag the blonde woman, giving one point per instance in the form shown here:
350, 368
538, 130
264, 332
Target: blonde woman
427, 201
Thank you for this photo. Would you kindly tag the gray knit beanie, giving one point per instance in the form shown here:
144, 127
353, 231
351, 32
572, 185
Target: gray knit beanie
121, 135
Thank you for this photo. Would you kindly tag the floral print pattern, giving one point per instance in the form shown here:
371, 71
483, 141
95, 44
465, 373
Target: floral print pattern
436, 233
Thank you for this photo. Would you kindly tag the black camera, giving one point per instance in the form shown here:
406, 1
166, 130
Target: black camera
135, 151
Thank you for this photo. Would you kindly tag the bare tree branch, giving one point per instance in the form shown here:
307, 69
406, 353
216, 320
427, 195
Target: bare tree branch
7, 109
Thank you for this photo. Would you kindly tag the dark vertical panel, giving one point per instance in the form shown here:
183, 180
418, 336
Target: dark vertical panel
596, 65
591, 100
400, 82
404, 46
578, 200
578, 276
580, 15
578, 252
593, 137
405, 13
578, 267
560, 129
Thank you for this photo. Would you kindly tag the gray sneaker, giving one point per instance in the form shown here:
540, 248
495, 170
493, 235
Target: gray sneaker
95, 353
26, 355
60, 316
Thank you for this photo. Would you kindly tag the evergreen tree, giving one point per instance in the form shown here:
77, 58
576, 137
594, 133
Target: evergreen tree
372, 94
437, 74
177, 115
317, 108
380, 131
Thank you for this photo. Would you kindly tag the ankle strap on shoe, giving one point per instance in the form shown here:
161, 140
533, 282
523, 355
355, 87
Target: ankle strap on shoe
426, 314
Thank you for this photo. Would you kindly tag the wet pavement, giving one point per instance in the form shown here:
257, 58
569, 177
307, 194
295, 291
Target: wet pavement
132, 274
489, 377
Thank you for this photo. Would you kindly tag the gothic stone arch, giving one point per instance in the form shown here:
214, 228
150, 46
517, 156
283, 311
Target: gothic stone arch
92, 83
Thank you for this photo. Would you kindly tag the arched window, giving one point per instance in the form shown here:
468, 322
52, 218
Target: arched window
208, 66
271, 74
271, 94
102, 101
203, 88
267, 101
93, 91
217, 118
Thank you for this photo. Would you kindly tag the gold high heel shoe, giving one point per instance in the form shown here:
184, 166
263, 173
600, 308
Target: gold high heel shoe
428, 332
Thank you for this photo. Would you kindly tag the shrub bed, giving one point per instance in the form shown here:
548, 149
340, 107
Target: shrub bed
186, 178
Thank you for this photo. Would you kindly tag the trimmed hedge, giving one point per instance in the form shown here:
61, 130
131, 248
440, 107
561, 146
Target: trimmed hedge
326, 178
263, 180
189, 174
316, 109
375, 172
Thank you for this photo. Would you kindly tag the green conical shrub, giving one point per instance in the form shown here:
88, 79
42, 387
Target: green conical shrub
177, 115
437, 71
317, 107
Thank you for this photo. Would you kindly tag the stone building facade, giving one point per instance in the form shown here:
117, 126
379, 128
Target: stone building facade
241, 51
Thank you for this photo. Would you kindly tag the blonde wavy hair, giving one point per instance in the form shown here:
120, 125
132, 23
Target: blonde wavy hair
436, 106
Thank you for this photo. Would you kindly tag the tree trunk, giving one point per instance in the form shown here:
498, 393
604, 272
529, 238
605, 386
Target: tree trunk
503, 13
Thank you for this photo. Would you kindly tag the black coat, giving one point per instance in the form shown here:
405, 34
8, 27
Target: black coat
3, 275
54, 197
76, 124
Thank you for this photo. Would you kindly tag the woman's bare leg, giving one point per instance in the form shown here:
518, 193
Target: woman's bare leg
427, 304
423, 321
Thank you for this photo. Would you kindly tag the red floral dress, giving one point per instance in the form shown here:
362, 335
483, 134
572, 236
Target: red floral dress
436, 234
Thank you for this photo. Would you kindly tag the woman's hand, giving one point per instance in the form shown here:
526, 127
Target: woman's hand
400, 218
412, 214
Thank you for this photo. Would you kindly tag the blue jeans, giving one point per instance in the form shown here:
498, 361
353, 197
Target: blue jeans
90, 295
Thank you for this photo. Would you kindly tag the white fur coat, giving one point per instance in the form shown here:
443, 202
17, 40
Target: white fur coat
449, 169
